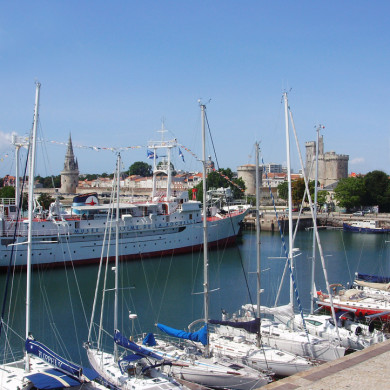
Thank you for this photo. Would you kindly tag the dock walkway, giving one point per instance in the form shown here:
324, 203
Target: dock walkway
360, 370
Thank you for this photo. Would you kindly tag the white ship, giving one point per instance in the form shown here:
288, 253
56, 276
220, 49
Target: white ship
164, 225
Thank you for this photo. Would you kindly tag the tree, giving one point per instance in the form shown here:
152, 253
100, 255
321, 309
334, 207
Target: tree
216, 180
283, 190
350, 192
140, 168
321, 198
7, 192
377, 190
45, 200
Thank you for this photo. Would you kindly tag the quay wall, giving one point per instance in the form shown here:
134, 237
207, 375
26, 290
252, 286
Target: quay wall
268, 220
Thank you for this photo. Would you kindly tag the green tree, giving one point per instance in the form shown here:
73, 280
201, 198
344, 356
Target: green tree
45, 200
377, 190
350, 192
216, 180
322, 196
283, 190
140, 168
7, 192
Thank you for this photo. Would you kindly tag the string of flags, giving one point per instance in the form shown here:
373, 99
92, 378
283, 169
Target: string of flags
3, 157
149, 154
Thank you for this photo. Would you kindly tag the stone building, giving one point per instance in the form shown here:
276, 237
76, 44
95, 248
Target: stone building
70, 173
248, 174
331, 166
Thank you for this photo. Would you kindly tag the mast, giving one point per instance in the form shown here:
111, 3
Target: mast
258, 239
205, 253
312, 291
290, 220
31, 216
117, 252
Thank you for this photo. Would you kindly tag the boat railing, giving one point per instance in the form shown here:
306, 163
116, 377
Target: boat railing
7, 201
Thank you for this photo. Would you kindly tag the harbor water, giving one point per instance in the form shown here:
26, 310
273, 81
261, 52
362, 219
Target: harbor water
169, 289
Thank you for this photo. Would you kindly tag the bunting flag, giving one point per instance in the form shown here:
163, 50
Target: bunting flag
220, 173
150, 154
99, 148
181, 154
6, 156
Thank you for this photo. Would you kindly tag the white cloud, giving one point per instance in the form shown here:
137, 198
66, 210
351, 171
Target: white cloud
357, 160
5, 141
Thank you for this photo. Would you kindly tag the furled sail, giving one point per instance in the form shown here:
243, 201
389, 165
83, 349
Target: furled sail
252, 326
126, 343
373, 278
199, 336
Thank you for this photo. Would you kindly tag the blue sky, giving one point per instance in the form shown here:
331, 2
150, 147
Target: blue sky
111, 70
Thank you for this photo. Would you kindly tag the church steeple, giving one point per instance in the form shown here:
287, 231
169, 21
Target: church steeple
70, 174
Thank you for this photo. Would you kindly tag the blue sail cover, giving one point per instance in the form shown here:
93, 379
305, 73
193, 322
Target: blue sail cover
200, 335
126, 343
149, 340
38, 349
52, 379
373, 278
250, 326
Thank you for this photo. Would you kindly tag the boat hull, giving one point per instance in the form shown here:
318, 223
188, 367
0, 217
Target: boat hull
138, 239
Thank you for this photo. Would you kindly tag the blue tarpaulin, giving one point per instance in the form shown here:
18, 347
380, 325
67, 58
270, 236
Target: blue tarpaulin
200, 335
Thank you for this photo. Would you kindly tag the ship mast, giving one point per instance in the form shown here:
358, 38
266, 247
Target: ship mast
31, 216
205, 244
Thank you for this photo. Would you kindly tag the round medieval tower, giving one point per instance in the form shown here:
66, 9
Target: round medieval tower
70, 174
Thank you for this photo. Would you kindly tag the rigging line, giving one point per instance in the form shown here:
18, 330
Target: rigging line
72, 309
20, 205
345, 254
285, 248
165, 288
230, 218
211, 138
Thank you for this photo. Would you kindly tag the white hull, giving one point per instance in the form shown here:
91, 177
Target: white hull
219, 373
81, 241
263, 358
104, 364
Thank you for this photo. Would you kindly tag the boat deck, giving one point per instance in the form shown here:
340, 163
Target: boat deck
361, 369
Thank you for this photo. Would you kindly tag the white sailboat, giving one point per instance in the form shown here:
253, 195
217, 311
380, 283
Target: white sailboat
346, 333
246, 336
128, 371
190, 352
40, 368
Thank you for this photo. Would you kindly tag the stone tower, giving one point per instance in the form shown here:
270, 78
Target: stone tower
331, 166
70, 174
248, 174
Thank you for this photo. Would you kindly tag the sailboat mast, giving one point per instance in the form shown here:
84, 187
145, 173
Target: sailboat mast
312, 292
30, 215
258, 237
117, 252
205, 252
290, 221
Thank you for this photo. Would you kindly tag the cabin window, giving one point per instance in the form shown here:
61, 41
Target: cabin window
190, 216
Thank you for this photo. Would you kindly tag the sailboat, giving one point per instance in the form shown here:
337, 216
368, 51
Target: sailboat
346, 333
40, 368
128, 371
276, 333
190, 352
236, 335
